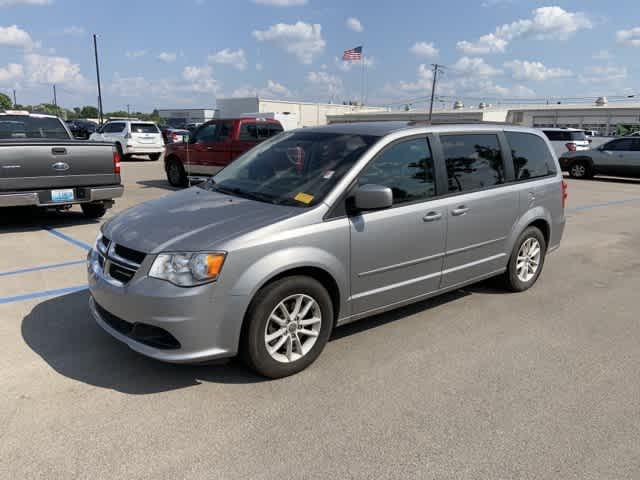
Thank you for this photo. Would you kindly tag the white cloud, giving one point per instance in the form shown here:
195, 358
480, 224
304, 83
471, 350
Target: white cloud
46, 69
259, 67
200, 79
13, 36
604, 75
304, 40
11, 3
11, 73
136, 53
546, 23
73, 30
629, 37
354, 24
424, 49
227, 56
475, 67
535, 71
325, 83
281, 3
272, 90
168, 57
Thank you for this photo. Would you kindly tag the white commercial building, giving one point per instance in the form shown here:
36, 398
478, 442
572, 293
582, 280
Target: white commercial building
605, 118
301, 114
183, 116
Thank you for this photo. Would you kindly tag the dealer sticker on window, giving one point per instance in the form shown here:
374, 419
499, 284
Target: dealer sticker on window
304, 198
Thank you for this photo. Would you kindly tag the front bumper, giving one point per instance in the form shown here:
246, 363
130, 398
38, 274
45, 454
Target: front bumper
42, 198
206, 326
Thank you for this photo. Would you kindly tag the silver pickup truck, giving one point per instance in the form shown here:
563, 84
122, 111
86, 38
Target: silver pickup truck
42, 166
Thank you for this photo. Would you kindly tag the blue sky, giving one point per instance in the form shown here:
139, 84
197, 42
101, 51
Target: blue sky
185, 54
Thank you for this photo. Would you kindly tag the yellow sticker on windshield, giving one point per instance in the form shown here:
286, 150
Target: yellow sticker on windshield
304, 198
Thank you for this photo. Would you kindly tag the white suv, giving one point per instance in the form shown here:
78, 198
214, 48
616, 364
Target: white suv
566, 140
132, 137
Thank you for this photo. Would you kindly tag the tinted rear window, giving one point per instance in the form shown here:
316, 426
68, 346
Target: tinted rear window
565, 136
531, 156
144, 128
474, 161
22, 126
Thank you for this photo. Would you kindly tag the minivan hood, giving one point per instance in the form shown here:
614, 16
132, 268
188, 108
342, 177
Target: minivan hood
191, 220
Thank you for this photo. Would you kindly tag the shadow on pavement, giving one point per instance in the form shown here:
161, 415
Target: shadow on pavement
21, 219
626, 181
63, 334
164, 184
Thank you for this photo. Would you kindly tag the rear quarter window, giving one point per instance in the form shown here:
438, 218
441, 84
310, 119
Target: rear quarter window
531, 156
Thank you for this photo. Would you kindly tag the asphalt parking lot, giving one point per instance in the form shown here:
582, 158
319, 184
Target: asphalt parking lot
477, 384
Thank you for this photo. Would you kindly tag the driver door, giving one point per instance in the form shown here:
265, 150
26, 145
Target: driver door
397, 253
200, 150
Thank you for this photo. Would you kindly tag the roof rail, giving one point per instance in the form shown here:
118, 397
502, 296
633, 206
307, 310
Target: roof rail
457, 122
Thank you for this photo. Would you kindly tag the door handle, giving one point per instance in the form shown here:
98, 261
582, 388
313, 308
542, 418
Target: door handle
461, 210
59, 151
432, 216
209, 148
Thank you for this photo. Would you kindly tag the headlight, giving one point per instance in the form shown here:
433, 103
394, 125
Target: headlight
187, 269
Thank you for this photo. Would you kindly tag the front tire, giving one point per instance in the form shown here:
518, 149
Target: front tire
93, 210
288, 325
527, 260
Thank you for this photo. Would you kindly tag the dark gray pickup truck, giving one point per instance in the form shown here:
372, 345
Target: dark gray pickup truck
42, 166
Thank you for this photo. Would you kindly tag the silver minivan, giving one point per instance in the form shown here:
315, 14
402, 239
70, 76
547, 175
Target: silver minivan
318, 227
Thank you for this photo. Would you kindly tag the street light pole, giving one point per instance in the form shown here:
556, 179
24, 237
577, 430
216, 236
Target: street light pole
95, 48
436, 68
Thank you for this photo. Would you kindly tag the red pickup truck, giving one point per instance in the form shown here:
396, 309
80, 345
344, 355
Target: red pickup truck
214, 145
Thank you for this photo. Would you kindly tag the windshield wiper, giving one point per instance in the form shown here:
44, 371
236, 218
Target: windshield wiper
260, 197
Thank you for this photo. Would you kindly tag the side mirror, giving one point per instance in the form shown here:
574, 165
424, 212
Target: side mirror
373, 197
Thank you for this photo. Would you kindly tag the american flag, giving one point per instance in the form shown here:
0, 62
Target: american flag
352, 54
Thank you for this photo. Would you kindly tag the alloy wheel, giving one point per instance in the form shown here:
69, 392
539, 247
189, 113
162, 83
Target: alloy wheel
293, 328
528, 261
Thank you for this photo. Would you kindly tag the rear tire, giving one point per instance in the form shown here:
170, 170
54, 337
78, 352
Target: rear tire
527, 260
154, 156
287, 326
580, 170
175, 173
93, 210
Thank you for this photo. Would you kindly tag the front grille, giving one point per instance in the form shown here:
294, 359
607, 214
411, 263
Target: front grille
118, 263
150, 335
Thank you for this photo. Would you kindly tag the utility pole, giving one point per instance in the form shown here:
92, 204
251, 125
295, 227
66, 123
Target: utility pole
95, 48
15, 102
128, 111
436, 69
55, 97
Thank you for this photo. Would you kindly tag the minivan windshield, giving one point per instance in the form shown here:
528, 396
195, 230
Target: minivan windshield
295, 168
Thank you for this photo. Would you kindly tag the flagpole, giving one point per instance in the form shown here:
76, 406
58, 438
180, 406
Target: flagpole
363, 73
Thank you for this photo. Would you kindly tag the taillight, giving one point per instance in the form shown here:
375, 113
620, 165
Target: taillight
565, 193
116, 161
571, 147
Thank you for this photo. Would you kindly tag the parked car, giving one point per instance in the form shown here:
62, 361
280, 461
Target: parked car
566, 139
81, 129
42, 166
174, 135
319, 227
214, 145
619, 157
132, 137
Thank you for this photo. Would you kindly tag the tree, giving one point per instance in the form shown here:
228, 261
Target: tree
89, 112
5, 102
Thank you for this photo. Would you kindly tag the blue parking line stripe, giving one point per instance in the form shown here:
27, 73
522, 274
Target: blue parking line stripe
67, 238
42, 267
45, 293
582, 208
